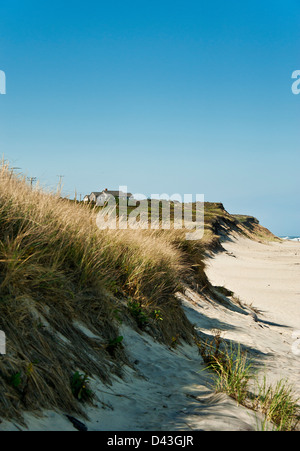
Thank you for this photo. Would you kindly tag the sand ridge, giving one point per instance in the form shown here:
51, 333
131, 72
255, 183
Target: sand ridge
166, 389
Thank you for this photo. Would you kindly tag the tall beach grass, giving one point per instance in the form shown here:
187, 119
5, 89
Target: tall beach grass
59, 271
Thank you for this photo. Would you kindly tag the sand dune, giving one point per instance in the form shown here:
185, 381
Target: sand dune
166, 389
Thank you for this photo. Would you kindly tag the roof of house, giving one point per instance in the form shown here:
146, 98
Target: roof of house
112, 193
117, 193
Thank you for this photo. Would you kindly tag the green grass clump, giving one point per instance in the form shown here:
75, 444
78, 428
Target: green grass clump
137, 311
233, 370
80, 387
231, 366
279, 405
233, 373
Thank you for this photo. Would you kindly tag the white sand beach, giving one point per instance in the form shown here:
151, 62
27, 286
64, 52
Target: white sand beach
168, 390
268, 277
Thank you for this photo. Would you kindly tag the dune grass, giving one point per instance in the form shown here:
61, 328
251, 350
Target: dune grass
46, 243
59, 271
279, 404
230, 365
235, 377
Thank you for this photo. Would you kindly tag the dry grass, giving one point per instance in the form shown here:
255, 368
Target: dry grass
57, 269
41, 234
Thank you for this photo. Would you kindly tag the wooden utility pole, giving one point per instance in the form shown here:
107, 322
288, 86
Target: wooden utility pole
31, 180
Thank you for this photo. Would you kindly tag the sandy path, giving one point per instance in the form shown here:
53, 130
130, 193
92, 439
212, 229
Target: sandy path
167, 391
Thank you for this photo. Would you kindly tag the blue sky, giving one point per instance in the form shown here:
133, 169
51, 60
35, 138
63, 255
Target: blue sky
161, 96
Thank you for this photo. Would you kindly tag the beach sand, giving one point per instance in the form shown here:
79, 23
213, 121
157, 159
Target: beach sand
268, 277
168, 389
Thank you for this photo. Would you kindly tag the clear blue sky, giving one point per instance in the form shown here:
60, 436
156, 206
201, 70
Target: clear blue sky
161, 96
